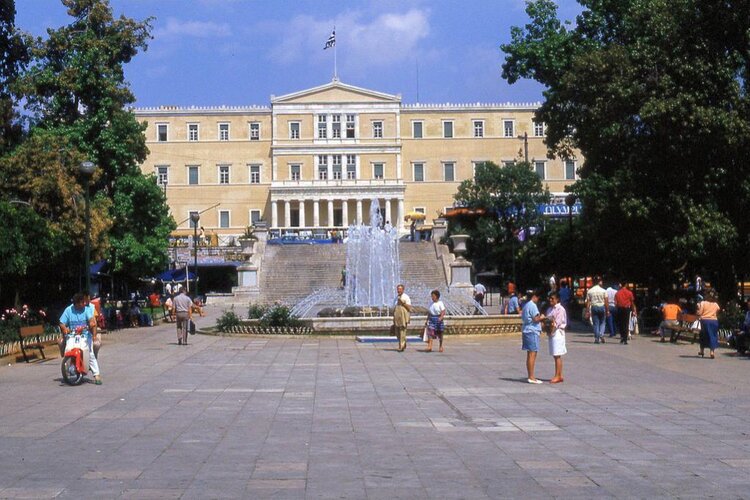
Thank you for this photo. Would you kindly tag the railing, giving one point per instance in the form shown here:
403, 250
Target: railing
337, 182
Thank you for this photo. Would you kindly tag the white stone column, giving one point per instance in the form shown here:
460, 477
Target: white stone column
287, 213
330, 212
302, 213
274, 214
388, 212
359, 212
316, 213
345, 212
400, 224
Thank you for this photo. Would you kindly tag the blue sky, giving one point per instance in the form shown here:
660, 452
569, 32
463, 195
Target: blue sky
240, 52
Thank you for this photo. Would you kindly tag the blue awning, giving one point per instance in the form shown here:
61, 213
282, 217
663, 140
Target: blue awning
97, 267
175, 275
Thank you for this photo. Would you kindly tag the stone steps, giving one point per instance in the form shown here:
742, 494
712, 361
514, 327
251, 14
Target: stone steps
292, 272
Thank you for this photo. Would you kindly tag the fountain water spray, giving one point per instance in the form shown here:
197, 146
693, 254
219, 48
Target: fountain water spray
372, 263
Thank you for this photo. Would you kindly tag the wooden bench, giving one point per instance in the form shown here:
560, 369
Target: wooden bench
26, 332
687, 324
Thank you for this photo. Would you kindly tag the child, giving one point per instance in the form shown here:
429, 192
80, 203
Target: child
556, 334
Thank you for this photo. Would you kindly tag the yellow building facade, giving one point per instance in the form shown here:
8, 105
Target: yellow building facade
316, 160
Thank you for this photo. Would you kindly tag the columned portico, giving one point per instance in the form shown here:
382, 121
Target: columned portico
296, 195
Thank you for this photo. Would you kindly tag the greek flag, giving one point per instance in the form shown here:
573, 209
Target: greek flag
331, 40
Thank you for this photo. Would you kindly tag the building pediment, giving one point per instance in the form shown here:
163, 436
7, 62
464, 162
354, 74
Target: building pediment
335, 92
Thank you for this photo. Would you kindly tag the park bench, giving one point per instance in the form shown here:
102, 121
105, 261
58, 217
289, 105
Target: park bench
34, 331
687, 324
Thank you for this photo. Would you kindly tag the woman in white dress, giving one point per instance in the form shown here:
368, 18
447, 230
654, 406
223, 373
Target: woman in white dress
435, 324
556, 334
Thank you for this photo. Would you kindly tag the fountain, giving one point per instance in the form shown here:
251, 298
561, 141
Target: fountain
371, 262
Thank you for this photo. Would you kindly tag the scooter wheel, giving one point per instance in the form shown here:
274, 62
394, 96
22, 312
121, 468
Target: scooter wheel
70, 375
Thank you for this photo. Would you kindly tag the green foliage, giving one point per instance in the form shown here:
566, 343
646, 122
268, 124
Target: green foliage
228, 320
657, 104
509, 197
256, 311
731, 315
14, 56
249, 234
12, 319
279, 315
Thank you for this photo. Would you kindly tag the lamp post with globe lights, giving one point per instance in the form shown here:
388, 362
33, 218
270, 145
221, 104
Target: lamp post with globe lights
195, 217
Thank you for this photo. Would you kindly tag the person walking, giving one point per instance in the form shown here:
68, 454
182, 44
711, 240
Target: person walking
401, 316
435, 324
183, 307
597, 309
624, 306
611, 292
532, 329
556, 334
708, 311
479, 291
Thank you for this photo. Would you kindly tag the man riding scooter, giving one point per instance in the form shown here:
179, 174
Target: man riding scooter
78, 315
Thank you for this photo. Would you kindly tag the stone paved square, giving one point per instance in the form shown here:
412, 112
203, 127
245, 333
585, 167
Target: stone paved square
320, 417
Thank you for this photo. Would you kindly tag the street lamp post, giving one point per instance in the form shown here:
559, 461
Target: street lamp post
570, 201
194, 218
86, 169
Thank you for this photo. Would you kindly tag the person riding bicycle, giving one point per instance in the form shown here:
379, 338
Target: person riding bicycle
77, 316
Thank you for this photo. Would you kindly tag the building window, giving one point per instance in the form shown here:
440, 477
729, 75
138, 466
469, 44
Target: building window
294, 172
223, 131
509, 163
192, 132
378, 171
322, 127
351, 166
336, 166
418, 172
223, 174
570, 169
224, 219
508, 128
192, 174
336, 126
294, 130
162, 175
377, 130
478, 128
322, 167
417, 130
539, 129
449, 171
254, 216
161, 132
447, 129
420, 210
540, 168
191, 224
254, 131
350, 126
254, 174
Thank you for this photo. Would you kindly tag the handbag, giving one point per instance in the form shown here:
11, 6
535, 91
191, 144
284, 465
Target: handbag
191, 327
426, 334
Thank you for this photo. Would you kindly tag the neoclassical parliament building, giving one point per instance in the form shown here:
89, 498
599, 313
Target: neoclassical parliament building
313, 160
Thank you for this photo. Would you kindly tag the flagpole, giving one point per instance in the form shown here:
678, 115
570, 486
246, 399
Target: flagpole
335, 61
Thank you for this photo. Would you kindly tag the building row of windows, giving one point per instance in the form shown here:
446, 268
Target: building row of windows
331, 126
337, 167
224, 218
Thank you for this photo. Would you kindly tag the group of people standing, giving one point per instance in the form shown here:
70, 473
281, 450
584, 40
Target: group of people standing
553, 323
434, 326
613, 308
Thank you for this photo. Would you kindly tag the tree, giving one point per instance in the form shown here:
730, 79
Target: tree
76, 87
509, 197
14, 56
654, 95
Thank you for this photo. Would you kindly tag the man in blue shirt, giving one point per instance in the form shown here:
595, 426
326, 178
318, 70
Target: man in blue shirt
532, 329
75, 316
513, 305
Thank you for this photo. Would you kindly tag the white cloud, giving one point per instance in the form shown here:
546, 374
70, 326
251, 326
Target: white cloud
197, 29
361, 40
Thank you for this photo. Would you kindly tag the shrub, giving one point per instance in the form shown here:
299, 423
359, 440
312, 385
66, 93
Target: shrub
279, 315
256, 311
12, 319
228, 320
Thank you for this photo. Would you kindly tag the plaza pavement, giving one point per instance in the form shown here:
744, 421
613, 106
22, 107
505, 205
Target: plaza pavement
249, 417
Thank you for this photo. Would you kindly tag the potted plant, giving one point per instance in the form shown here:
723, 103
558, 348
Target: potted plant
248, 238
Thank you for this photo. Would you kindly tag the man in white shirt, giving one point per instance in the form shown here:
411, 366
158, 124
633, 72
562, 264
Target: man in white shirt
479, 291
597, 309
611, 291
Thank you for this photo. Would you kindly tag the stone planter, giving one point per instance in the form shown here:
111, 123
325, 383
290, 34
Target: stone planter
459, 245
246, 244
